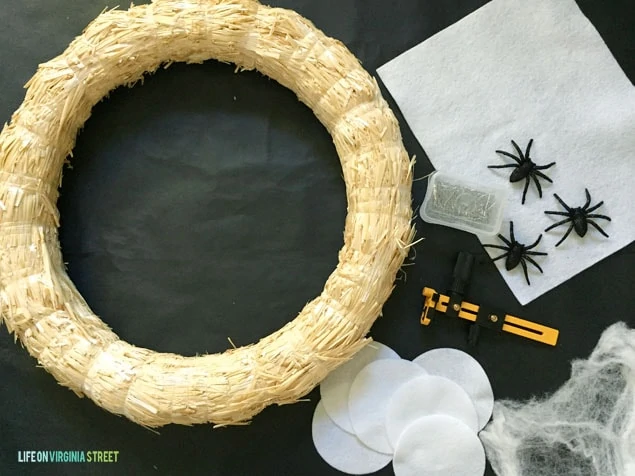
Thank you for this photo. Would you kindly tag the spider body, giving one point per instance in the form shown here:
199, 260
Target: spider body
579, 221
524, 168
517, 253
579, 217
514, 255
521, 172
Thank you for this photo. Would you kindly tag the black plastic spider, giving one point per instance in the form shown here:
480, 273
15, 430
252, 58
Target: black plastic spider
516, 252
524, 168
580, 217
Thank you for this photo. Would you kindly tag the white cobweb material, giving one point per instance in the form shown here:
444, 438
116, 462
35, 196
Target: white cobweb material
586, 428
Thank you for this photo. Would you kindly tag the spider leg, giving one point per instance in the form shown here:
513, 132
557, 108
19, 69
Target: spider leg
524, 265
588, 199
564, 214
525, 190
535, 243
533, 176
531, 141
531, 260
520, 152
506, 166
541, 175
505, 240
558, 224
594, 207
536, 253
511, 232
593, 215
544, 167
565, 235
597, 227
496, 247
507, 154
499, 257
566, 207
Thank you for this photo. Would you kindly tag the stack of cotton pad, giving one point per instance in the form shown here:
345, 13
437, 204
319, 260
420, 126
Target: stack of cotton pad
423, 415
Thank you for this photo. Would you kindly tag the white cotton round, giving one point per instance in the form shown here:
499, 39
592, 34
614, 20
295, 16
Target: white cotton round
425, 396
342, 450
464, 370
439, 445
370, 396
335, 388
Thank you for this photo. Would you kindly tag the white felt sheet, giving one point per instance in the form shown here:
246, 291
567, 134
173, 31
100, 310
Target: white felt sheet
335, 388
370, 396
464, 370
343, 450
518, 69
439, 445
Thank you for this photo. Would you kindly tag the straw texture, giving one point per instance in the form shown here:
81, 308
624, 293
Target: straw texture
40, 304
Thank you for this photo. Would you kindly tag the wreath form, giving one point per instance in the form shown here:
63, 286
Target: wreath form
40, 304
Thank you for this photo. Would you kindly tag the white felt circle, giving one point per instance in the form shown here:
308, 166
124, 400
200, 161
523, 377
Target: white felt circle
335, 388
370, 396
439, 445
342, 450
425, 396
467, 372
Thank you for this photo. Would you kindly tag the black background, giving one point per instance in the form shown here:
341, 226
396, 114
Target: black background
208, 204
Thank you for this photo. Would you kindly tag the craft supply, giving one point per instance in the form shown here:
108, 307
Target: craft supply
370, 396
587, 427
462, 204
425, 396
464, 370
518, 69
439, 445
487, 317
390, 395
455, 305
524, 169
335, 389
517, 253
579, 217
40, 304
342, 450
461, 276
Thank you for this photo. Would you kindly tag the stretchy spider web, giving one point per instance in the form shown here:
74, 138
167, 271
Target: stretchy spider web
586, 428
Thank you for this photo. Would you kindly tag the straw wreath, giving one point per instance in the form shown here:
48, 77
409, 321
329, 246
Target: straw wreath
40, 304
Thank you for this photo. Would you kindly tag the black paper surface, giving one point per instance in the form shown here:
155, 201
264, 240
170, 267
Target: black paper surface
207, 204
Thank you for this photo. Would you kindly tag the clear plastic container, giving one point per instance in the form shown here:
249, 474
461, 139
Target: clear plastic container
462, 204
